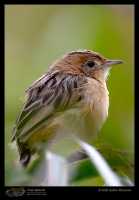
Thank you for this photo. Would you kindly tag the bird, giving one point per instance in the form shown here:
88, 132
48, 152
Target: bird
70, 99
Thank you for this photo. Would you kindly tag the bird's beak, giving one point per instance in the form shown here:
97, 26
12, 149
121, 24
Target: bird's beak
113, 62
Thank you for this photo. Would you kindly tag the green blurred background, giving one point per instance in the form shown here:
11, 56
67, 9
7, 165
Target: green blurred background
37, 35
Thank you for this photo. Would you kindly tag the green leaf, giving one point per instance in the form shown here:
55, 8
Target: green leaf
83, 169
80, 169
101, 165
50, 170
56, 170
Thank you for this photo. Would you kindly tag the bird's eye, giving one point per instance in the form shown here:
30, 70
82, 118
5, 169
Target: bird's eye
90, 63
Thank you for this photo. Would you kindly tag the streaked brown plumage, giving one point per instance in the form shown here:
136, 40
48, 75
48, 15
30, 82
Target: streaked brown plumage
70, 99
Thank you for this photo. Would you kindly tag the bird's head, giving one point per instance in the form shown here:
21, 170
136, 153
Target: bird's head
85, 63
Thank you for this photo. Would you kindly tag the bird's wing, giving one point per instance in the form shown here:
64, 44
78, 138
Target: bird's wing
50, 94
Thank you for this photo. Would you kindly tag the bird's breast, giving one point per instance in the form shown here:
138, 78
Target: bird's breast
94, 108
85, 119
